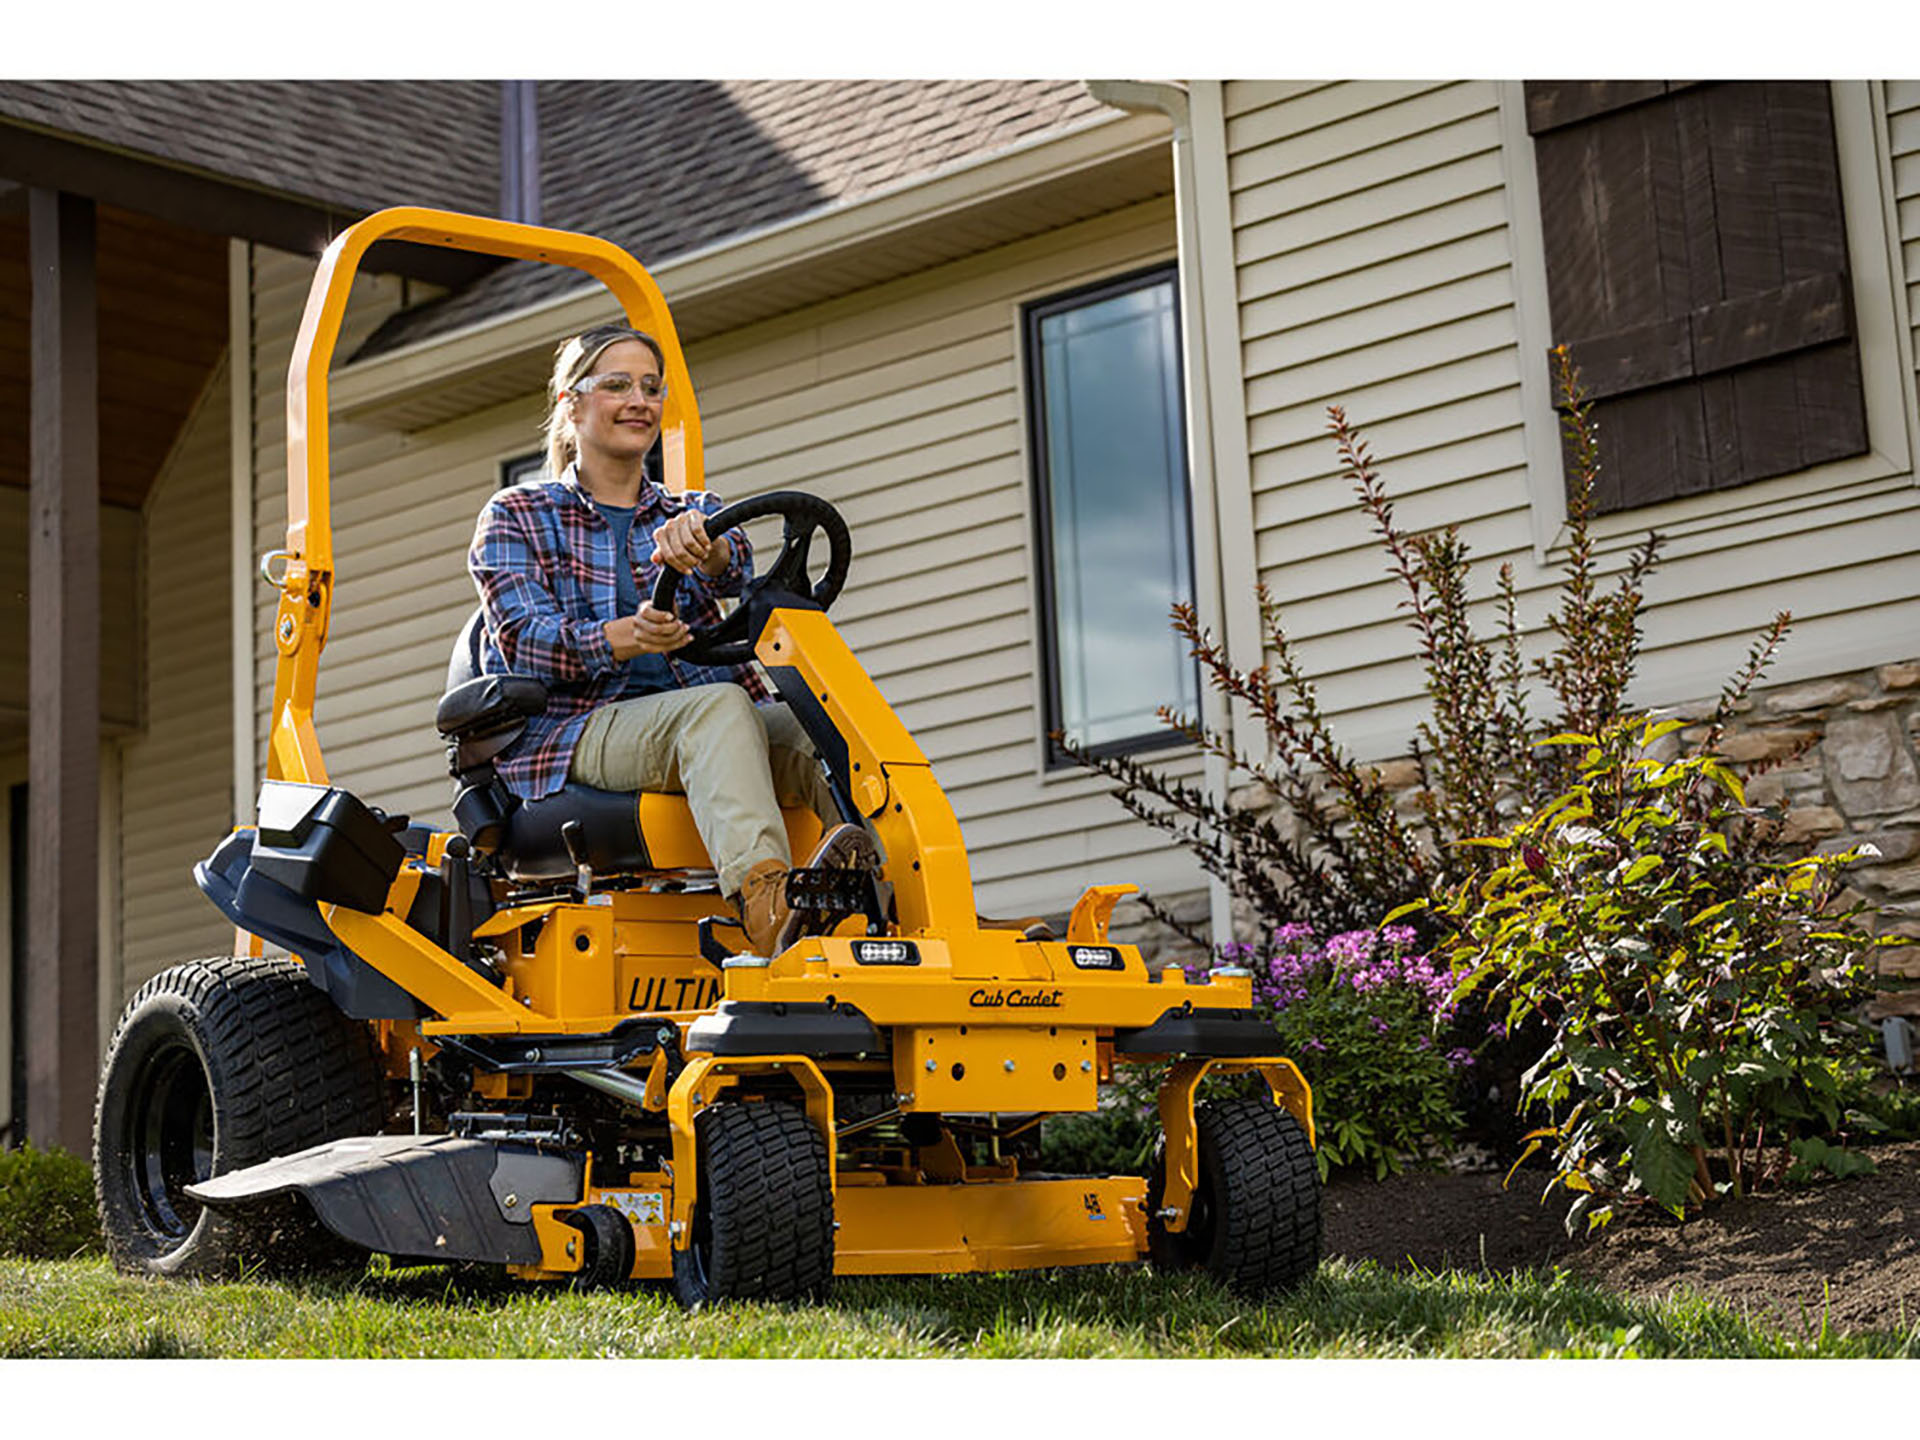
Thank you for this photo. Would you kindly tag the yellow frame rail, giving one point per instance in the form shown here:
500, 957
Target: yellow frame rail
306, 586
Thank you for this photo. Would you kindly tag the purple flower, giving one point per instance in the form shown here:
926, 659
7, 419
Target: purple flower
1380, 1026
1313, 1042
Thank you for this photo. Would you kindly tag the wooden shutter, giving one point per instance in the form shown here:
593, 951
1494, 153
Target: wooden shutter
1697, 268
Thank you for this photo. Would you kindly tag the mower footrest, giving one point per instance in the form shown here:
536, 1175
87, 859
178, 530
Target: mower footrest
420, 1197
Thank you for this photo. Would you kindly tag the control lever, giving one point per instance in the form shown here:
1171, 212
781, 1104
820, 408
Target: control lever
575, 838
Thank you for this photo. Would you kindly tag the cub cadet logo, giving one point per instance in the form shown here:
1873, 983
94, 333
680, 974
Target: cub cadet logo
1015, 999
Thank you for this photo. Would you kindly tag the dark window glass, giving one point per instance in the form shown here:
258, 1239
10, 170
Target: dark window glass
522, 467
1109, 446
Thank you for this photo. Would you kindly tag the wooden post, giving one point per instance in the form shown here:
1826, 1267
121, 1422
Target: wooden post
63, 744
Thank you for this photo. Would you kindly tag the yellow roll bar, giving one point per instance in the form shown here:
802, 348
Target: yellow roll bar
306, 586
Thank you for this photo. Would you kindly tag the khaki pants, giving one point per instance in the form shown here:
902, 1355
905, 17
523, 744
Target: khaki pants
736, 762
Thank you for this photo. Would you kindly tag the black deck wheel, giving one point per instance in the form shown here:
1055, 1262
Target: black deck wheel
763, 1217
1255, 1221
606, 1247
215, 1065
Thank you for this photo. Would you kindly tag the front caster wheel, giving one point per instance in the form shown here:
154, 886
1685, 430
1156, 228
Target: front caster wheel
763, 1217
1255, 1220
606, 1247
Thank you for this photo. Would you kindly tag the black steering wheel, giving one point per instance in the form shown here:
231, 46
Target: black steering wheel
729, 642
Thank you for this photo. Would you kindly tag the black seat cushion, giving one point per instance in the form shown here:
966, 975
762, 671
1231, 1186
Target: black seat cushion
610, 832
482, 715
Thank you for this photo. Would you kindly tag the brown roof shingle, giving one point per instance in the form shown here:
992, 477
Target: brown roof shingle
360, 144
668, 167
661, 167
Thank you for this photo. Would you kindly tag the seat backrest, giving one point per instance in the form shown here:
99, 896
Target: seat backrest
464, 664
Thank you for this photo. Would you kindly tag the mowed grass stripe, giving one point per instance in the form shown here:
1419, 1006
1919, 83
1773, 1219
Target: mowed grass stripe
82, 1308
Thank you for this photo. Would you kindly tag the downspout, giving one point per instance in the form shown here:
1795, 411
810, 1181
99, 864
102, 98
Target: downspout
1170, 99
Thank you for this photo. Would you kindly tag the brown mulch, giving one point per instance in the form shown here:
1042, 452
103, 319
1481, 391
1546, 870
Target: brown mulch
1849, 1247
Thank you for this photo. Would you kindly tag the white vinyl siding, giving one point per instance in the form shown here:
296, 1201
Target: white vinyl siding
176, 773
1903, 143
399, 534
902, 406
1377, 270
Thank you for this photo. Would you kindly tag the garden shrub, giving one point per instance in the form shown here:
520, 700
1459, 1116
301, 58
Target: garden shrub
1702, 996
47, 1205
1116, 1139
1339, 854
1349, 856
1361, 1014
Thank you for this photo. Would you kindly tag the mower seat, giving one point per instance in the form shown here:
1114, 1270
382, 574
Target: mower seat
622, 833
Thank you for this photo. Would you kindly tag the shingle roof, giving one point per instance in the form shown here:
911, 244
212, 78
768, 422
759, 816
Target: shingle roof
667, 167
660, 167
360, 144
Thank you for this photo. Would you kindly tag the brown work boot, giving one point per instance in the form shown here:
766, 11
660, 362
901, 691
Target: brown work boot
845, 847
763, 908
772, 924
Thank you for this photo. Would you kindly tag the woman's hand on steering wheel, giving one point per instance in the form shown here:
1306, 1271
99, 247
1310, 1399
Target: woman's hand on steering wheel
728, 643
683, 543
650, 632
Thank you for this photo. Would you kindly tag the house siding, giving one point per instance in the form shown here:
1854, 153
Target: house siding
176, 773
1903, 145
382, 562
901, 405
1377, 268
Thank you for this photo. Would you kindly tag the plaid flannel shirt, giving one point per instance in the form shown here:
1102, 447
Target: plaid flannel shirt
542, 558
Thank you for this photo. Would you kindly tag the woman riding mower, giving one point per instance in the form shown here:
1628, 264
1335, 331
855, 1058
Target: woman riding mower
561, 568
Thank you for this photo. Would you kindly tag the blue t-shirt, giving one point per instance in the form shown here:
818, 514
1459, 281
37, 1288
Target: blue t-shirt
646, 674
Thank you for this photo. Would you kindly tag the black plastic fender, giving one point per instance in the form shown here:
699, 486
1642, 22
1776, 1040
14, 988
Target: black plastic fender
1217, 1034
424, 1197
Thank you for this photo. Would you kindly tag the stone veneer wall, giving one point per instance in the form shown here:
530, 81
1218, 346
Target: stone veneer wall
1843, 753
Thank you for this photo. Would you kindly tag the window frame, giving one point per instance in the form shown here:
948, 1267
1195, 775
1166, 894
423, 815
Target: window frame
517, 469
1032, 312
1886, 352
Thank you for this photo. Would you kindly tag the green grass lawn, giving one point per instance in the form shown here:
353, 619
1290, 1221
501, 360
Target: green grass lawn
83, 1308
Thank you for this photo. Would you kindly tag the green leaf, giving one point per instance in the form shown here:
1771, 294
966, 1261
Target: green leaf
1842, 1163
1663, 1168
1640, 868
1708, 913
1660, 731
1726, 780
1569, 738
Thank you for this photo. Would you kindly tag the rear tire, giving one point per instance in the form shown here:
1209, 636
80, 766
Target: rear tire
216, 1065
763, 1219
1255, 1220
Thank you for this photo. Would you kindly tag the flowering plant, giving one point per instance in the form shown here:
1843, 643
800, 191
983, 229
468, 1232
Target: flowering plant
1363, 1016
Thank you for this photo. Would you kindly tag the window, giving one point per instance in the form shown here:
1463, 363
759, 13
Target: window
1109, 452
1697, 268
522, 467
531, 467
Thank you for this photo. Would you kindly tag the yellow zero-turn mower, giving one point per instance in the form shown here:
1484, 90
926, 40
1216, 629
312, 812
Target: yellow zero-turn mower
536, 1041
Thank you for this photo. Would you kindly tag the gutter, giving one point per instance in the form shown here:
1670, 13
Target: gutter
807, 239
1172, 101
